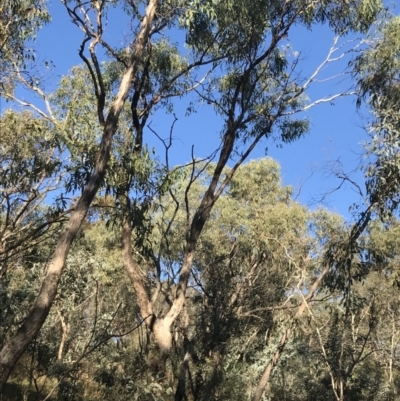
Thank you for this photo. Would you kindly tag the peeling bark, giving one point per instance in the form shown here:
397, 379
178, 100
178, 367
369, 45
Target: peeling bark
16, 346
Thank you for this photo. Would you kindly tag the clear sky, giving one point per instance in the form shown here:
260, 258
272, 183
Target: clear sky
336, 130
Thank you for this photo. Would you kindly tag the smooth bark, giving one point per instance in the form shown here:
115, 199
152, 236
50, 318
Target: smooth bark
16, 346
160, 326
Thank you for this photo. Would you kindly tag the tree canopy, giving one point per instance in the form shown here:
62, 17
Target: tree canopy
124, 276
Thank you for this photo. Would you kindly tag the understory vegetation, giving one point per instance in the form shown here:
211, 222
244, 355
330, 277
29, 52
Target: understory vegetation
124, 276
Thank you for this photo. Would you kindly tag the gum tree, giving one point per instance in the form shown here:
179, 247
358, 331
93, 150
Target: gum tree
15, 347
249, 80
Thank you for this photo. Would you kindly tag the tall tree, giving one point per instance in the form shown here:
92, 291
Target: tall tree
257, 95
377, 69
255, 90
14, 348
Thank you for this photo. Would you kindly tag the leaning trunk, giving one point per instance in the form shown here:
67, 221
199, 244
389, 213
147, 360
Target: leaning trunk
161, 333
16, 346
159, 327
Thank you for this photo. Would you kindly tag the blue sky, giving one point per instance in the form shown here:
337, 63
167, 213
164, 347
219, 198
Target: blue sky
336, 130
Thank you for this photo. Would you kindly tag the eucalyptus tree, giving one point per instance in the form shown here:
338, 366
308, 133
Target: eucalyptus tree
20, 21
31, 172
31, 169
15, 347
357, 343
256, 244
261, 261
251, 82
257, 96
377, 70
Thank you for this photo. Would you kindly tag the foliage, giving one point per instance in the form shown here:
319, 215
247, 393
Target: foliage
19, 22
184, 282
378, 69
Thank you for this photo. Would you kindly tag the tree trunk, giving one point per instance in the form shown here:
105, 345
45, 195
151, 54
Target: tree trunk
16, 346
356, 231
65, 331
180, 394
266, 376
161, 326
